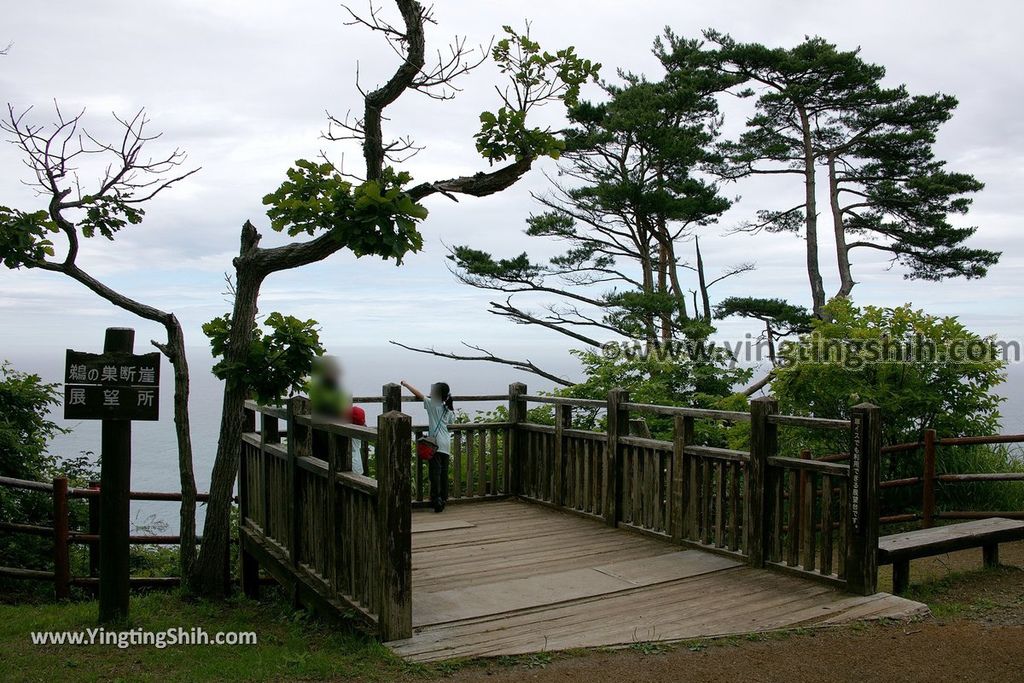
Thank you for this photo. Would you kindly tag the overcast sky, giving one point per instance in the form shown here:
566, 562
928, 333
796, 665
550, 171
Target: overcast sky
243, 88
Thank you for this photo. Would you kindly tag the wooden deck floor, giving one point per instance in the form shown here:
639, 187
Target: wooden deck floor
504, 578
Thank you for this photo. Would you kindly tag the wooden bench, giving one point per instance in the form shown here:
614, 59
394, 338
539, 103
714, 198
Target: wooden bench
899, 549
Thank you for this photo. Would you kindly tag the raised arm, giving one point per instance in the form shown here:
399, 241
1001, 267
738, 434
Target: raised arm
413, 390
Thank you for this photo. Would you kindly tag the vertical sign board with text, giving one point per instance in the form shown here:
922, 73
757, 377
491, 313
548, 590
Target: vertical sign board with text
117, 387
111, 386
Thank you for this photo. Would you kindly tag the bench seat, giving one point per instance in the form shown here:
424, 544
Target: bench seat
899, 549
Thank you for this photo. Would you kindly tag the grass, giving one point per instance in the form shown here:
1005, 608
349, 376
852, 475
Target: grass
956, 594
294, 645
291, 645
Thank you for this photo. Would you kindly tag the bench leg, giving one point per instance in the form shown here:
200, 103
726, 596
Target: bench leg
990, 554
900, 576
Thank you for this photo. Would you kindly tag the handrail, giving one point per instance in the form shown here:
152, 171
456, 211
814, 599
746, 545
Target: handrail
810, 422
727, 415
829, 468
468, 398
567, 401
335, 426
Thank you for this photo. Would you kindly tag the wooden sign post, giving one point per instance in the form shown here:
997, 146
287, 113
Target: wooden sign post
116, 387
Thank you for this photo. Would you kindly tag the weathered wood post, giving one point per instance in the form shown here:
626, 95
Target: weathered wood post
516, 438
61, 533
94, 529
391, 397
928, 481
339, 459
394, 521
862, 518
115, 483
618, 425
764, 443
298, 437
248, 567
684, 498
563, 421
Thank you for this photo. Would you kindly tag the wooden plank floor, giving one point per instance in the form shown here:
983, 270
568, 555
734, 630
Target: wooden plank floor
508, 577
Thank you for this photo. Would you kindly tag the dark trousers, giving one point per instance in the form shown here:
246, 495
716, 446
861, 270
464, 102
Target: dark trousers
438, 469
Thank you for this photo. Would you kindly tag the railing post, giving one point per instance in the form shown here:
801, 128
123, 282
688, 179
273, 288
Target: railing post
682, 437
61, 558
517, 444
764, 444
394, 521
928, 480
298, 438
248, 567
563, 420
94, 529
862, 518
337, 448
618, 425
391, 397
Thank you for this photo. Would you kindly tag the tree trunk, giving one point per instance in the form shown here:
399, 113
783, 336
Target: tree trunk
175, 352
846, 281
702, 282
209, 577
666, 316
811, 217
677, 288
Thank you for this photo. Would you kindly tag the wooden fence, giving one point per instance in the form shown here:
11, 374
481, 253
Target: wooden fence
338, 540
930, 479
65, 536
769, 509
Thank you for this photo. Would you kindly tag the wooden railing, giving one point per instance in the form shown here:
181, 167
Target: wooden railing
769, 509
930, 479
65, 536
339, 541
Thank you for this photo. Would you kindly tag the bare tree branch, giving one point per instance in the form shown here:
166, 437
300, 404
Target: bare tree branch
487, 356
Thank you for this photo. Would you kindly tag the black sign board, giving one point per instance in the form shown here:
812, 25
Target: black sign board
111, 386
123, 369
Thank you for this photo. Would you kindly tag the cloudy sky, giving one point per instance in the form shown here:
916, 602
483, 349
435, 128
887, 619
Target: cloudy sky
243, 87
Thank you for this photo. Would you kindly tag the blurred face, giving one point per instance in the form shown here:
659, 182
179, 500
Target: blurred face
435, 393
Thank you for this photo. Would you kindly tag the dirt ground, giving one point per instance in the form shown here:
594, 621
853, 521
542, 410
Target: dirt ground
975, 633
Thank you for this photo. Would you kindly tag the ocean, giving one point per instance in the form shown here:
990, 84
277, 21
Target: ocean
154, 451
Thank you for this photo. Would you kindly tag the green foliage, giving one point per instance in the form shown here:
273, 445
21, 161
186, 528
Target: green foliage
778, 313
25, 425
536, 76
275, 362
819, 106
25, 431
694, 374
24, 237
923, 371
108, 213
375, 218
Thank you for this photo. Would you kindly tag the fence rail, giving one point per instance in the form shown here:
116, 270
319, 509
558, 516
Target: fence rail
64, 536
338, 540
795, 514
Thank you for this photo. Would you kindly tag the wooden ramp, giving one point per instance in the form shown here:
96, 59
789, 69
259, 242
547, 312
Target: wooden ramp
508, 577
